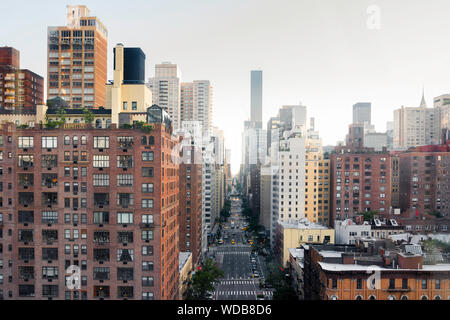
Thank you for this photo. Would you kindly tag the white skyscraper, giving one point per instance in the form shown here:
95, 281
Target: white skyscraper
196, 103
165, 88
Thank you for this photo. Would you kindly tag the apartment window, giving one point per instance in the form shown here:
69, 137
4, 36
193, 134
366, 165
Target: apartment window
133, 105
49, 272
124, 161
147, 235
125, 274
125, 105
101, 180
147, 281
101, 254
125, 180
147, 250
147, 156
25, 160
424, 284
124, 218
147, 218
147, 296
147, 203
147, 172
391, 283
125, 255
125, 237
437, 284
25, 142
49, 142
101, 217
101, 142
125, 199
358, 283
334, 283
49, 161
404, 283
83, 140
147, 188
101, 273
101, 161
50, 217
147, 266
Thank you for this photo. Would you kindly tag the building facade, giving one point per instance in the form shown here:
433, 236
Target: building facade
20, 89
77, 59
99, 202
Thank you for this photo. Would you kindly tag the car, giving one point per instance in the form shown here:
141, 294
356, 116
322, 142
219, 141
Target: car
256, 275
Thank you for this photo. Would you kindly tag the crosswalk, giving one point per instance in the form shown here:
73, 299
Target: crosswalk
228, 282
244, 293
232, 252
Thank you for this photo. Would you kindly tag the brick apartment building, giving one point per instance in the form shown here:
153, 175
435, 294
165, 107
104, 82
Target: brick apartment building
361, 182
424, 183
19, 88
105, 200
191, 203
342, 273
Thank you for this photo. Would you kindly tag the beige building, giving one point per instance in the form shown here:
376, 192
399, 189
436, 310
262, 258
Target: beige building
196, 103
317, 181
77, 60
185, 272
126, 98
293, 234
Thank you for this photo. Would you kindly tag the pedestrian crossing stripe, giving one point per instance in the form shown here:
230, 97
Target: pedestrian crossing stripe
243, 293
232, 252
224, 282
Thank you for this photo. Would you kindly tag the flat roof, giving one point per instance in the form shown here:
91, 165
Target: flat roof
357, 267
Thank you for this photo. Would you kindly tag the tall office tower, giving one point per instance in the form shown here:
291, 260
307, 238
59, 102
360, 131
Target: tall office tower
196, 103
416, 126
104, 202
362, 112
165, 88
256, 98
77, 60
19, 88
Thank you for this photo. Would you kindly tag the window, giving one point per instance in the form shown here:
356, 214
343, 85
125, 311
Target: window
49, 161
124, 218
147, 203
358, 283
147, 281
50, 217
424, 284
404, 283
147, 266
125, 142
147, 187
101, 161
125, 180
437, 284
125, 274
101, 142
147, 235
125, 199
25, 160
147, 296
101, 217
147, 218
147, 156
101, 180
133, 105
83, 139
125, 255
147, 172
25, 142
391, 283
147, 250
49, 142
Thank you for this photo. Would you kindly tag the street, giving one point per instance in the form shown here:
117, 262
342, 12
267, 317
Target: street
241, 267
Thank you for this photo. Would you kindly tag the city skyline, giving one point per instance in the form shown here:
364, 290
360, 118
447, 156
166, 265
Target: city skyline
320, 54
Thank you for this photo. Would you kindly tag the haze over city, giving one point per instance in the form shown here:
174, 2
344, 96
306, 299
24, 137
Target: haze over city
320, 53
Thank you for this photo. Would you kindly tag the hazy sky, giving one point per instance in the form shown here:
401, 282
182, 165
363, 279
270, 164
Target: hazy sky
319, 52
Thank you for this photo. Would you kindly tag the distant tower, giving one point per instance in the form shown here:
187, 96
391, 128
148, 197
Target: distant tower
423, 103
256, 99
